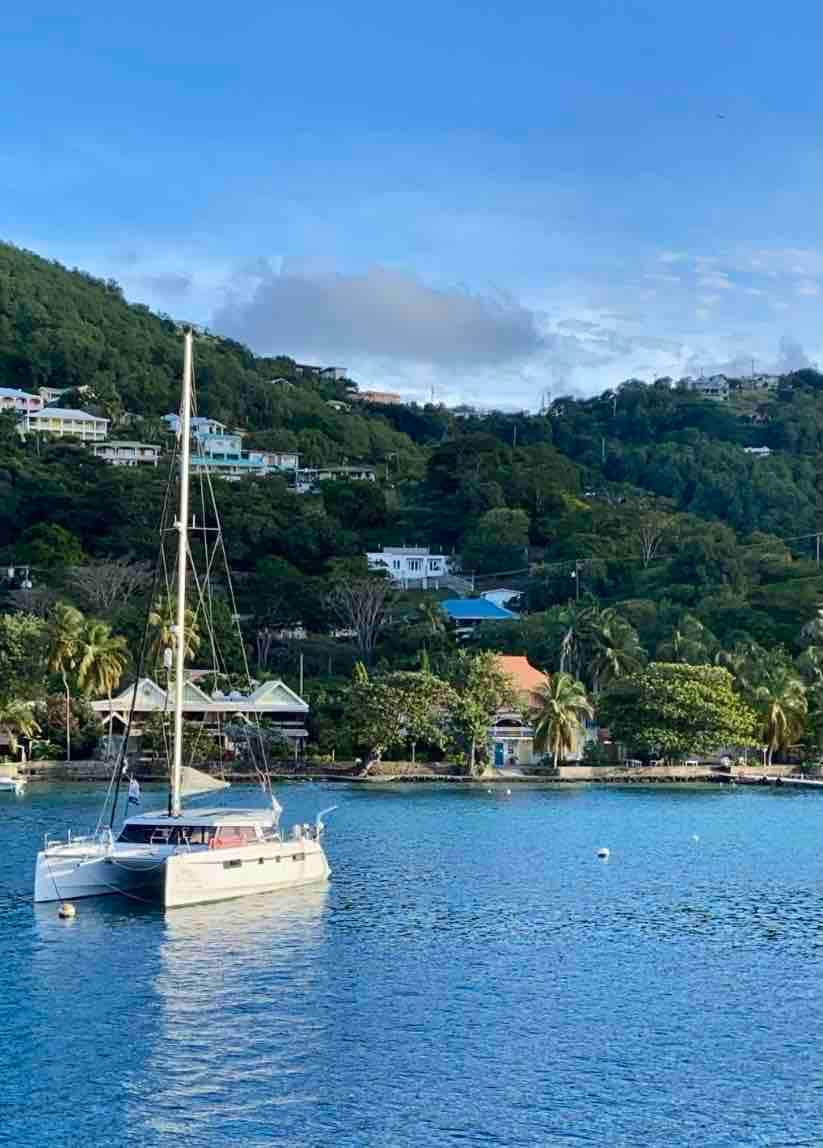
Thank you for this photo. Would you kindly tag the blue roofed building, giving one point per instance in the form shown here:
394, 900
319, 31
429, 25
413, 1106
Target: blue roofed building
470, 612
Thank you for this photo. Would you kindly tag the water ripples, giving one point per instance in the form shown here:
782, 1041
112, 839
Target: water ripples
472, 975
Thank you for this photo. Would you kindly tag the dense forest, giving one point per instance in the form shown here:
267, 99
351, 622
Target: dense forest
635, 517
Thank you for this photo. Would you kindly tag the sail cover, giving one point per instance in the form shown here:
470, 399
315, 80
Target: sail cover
195, 781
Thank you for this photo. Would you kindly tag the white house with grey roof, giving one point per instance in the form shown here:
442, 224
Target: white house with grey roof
64, 421
410, 566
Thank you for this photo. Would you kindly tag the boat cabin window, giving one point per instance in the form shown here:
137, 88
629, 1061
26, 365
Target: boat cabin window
167, 834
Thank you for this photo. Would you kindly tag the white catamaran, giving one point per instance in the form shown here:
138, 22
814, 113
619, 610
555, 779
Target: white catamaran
176, 856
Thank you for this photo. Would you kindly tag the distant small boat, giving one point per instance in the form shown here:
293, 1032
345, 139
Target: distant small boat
11, 784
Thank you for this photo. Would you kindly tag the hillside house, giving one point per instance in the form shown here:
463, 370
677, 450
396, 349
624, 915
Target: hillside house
220, 451
387, 398
63, 422
468, 613
412, 567
19, 402
307, 479
123, 452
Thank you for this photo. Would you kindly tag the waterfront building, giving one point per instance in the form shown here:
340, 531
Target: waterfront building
511, 737
283, 708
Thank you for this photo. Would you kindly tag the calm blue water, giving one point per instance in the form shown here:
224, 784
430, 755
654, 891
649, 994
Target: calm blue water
473, 975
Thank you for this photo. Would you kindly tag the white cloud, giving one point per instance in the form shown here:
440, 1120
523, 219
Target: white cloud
718, 280
807, 287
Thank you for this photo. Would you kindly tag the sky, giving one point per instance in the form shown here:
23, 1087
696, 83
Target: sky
486, 203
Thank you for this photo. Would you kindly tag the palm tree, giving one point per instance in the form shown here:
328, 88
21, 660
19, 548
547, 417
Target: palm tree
691, 643
562, 704
163, 620
16, 721
432, 614
103, 657
783, 709
65, 630
616, 649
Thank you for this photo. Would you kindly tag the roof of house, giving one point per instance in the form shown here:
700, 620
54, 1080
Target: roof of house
525, 677
67, 413
270, 697
469, 609
15, 393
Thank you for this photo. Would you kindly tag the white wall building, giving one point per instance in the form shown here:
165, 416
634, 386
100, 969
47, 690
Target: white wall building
125, 453
20, 402
62, 421
410, 566
308, 478
715, 387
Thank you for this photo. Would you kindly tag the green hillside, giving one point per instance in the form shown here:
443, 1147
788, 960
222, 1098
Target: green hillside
646, 494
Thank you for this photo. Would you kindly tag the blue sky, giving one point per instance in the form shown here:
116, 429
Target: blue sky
494, 200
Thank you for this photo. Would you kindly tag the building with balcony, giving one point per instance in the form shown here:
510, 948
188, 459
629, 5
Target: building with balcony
273, 700
19, 402
412, 567
218, 450
63, 422
125, 453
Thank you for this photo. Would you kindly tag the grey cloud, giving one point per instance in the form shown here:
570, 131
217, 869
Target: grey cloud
167, 283
791, 356
379, 313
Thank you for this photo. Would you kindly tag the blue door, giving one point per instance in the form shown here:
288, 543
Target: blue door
498, 753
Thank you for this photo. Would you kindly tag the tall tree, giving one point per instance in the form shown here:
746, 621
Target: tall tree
671, 709
163, 620
360, 604
102, 658
481, 688
65, 634
17, 720
782, 708
563, 702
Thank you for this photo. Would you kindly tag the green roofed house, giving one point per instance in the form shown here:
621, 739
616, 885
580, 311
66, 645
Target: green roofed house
273, 700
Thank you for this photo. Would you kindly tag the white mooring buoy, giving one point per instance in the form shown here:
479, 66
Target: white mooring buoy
66, 911
604, 853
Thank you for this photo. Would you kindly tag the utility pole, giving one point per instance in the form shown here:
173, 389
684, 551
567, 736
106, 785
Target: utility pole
817, 548
602, 449
300, 691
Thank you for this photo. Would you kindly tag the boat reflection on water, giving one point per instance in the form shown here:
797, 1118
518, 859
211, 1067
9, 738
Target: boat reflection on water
240, 993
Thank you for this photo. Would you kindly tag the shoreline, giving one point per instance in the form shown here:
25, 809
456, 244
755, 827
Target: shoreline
84, 773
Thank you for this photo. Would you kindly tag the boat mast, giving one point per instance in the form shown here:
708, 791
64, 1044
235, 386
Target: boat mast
182, 568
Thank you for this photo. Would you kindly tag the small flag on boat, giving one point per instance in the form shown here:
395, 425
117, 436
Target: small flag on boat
134, 791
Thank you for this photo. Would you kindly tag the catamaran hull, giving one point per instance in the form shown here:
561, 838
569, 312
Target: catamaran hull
186, 877
68, 873
219, 874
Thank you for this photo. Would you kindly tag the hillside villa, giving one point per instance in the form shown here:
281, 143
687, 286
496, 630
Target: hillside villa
412, 567
124, 452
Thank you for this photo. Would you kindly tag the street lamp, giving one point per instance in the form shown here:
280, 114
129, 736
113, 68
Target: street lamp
576, 575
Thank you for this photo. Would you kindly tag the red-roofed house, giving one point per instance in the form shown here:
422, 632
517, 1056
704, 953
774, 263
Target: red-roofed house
512, 735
